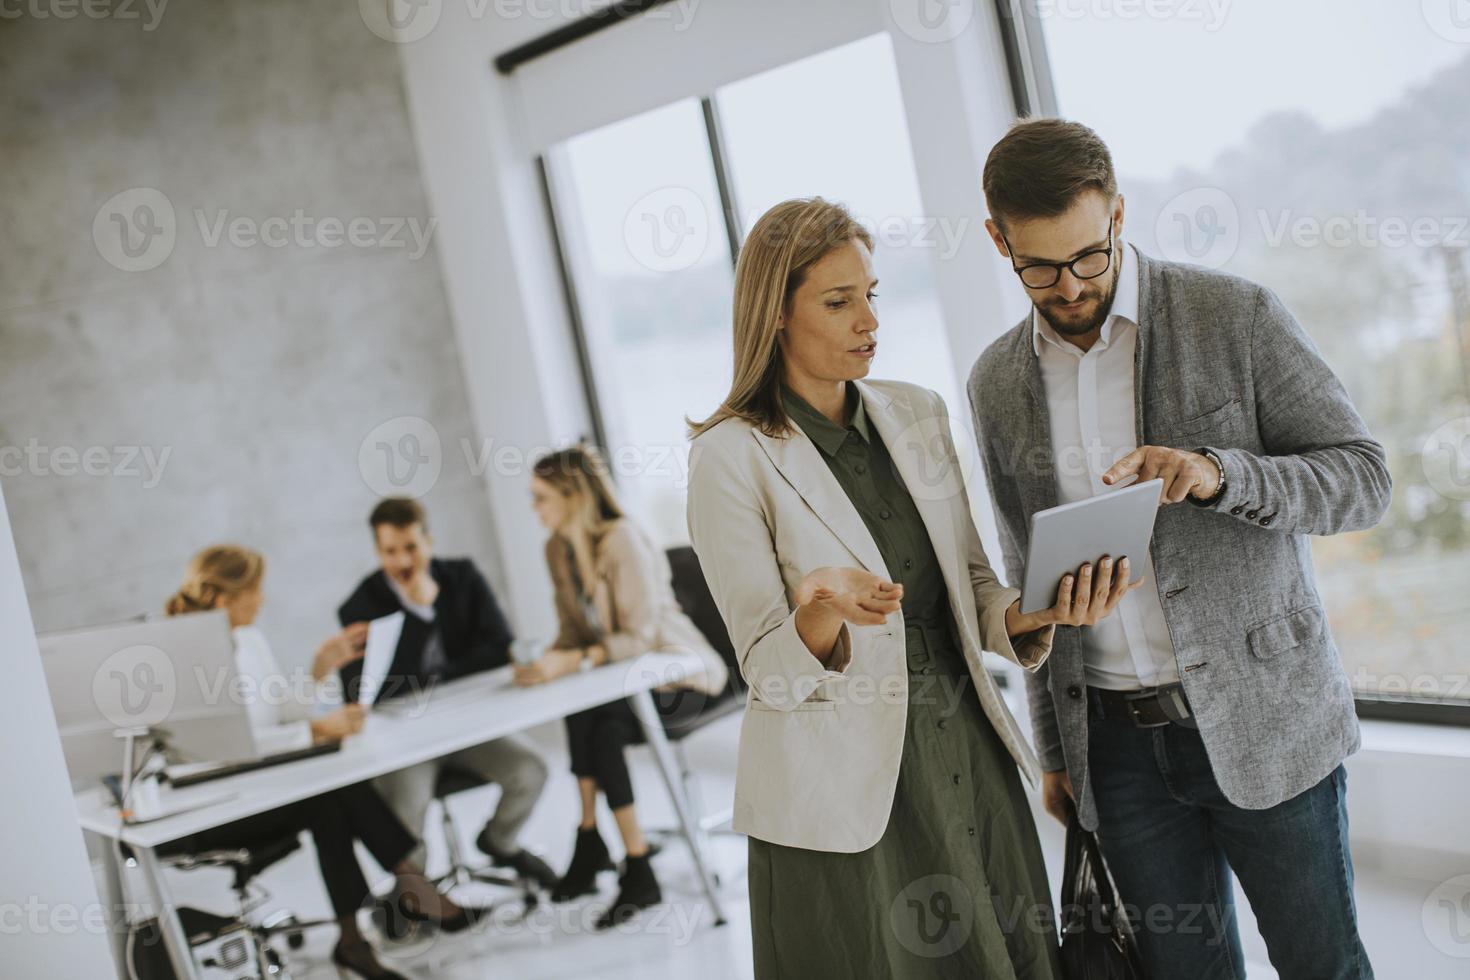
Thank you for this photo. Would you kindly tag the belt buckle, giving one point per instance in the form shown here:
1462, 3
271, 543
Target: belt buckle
1133, 696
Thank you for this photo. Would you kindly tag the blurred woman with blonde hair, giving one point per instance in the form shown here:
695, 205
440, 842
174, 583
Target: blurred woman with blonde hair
614, 602
230, 577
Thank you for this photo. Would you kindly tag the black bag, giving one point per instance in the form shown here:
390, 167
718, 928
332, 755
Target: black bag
1097, 939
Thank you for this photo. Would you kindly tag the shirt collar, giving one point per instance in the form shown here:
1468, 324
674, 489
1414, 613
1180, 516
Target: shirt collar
828, 435
1125, 306
423, 612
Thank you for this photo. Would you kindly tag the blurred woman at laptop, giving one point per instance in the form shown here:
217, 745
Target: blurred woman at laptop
230, 577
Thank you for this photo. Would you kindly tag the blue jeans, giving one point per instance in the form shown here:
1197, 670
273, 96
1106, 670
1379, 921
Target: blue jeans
1171, 838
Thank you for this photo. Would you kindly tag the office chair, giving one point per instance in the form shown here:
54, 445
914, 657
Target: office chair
686, 712
451, 782
243, 937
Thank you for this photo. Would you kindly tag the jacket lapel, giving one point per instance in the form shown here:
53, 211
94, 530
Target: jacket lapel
1146, 318
914, 445
1034, 467
802, 466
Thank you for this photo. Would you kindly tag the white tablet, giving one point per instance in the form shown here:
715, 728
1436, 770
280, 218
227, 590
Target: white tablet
1119, 523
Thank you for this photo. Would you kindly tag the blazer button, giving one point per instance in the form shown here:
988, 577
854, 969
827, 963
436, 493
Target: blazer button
1250, 515
885, 514
1237, 509
1074, 692
1266, 521
860, 469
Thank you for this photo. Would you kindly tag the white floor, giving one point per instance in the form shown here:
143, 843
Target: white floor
680, 940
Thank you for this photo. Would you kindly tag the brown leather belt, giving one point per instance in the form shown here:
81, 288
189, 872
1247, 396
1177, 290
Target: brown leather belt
1149, 708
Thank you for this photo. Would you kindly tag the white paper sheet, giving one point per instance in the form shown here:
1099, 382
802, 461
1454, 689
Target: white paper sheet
382, 642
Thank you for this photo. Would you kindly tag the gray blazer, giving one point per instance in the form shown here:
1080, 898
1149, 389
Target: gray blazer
1221, 364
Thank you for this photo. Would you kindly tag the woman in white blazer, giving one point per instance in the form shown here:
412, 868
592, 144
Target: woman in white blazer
877, 777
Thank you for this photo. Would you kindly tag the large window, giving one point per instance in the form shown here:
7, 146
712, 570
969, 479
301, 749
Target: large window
642, 224
833, 126
1321, 149
641, 217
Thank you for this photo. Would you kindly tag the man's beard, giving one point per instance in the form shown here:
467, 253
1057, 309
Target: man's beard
1080, 328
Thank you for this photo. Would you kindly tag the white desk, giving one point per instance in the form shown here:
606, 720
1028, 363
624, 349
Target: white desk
457, 715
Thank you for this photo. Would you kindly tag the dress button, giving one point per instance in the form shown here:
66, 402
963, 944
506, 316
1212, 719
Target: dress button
908, 563
860, 469
956, 779
885, 514
1074, 692
943, 723
972, 831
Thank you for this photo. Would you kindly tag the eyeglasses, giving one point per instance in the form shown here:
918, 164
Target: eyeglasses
1044, 275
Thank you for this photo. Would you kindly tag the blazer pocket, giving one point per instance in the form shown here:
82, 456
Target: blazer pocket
810, 704
1287, 632
1217, 418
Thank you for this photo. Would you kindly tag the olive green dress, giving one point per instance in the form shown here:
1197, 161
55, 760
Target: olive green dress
956, 886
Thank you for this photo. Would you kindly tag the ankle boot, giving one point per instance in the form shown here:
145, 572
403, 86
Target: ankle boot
589, 857
637, 889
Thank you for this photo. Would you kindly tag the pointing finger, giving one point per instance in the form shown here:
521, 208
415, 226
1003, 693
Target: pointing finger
1126, 466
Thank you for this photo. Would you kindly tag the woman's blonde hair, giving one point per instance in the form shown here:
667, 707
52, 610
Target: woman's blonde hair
220, 571
785, 243
581, 474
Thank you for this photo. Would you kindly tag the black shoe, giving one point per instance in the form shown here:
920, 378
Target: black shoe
654, 850
588, 858
467, 916
391, 921
522, 862
637, 890
360, 961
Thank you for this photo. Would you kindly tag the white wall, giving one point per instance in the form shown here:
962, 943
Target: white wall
49, 896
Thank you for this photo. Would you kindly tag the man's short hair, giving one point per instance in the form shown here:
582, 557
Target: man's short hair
399, 512
1041, 166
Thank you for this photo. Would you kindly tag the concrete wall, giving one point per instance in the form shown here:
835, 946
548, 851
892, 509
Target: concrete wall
238, 377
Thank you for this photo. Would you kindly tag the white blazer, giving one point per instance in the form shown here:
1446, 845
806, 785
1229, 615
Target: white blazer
820, 749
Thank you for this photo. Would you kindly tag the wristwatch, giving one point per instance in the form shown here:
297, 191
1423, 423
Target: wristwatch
1219, 490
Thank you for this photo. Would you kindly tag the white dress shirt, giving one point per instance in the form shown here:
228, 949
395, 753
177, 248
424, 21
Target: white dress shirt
434, 661
279, 707
1090, 397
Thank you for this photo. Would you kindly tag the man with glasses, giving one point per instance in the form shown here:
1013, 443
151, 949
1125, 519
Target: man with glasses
1202, 729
